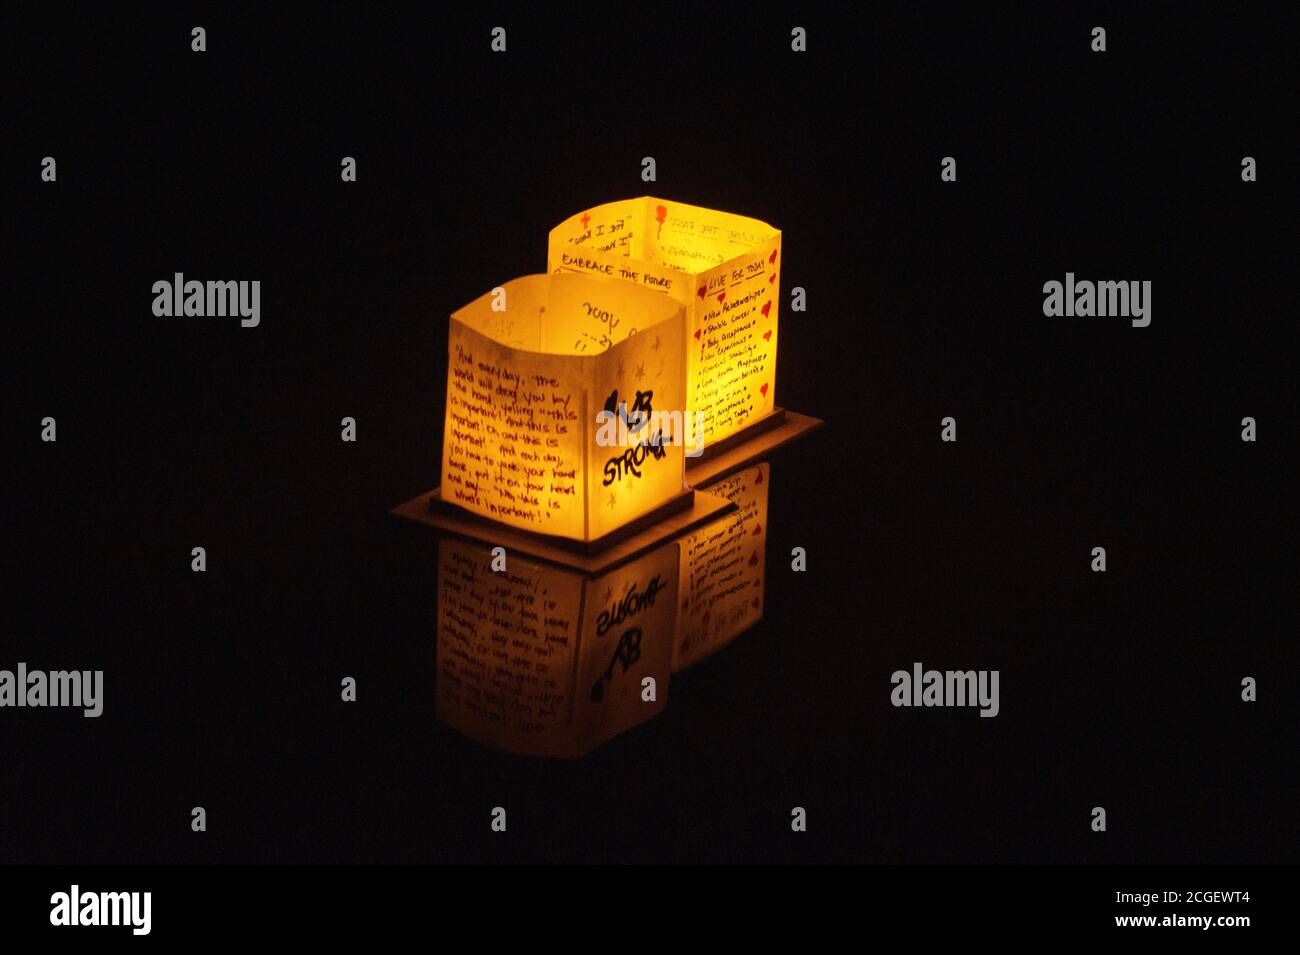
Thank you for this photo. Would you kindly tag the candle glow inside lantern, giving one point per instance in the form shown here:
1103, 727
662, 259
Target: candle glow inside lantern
723, 268
561, 393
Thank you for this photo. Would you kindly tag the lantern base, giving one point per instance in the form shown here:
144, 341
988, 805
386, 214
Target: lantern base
750, 431
748, 446
684, 512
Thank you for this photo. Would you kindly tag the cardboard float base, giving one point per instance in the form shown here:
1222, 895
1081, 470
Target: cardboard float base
685, 512
749, 446
747, 433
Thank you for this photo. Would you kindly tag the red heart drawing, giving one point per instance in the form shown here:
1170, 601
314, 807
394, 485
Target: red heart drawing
772, 258
767, 307
721, 296
759, 479
697, 333
767, 335
771, 278
753, 559
701, 292
758, 529
763, 390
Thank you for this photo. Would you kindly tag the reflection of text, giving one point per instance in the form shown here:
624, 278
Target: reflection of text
627, 653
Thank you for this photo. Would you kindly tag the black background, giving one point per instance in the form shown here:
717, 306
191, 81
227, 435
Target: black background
924, 300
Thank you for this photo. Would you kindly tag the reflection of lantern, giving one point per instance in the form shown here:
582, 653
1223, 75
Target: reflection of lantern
725, 269
530, 367
722, 566
548, 662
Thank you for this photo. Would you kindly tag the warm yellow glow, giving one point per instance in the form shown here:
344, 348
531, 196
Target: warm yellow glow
725, 269
529, 367
548, 662
722, 568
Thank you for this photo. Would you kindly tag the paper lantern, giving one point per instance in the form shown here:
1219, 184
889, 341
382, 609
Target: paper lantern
531, 366
544, 661
725, 269
722, 570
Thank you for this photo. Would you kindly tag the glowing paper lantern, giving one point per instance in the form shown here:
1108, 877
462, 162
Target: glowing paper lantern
548, 662
722, 564
530, 367
725, 269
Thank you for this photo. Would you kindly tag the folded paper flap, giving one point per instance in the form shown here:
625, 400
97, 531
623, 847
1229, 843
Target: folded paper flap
672, 235
587, 315
510, 314
613, 228
566, 314
693, 239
